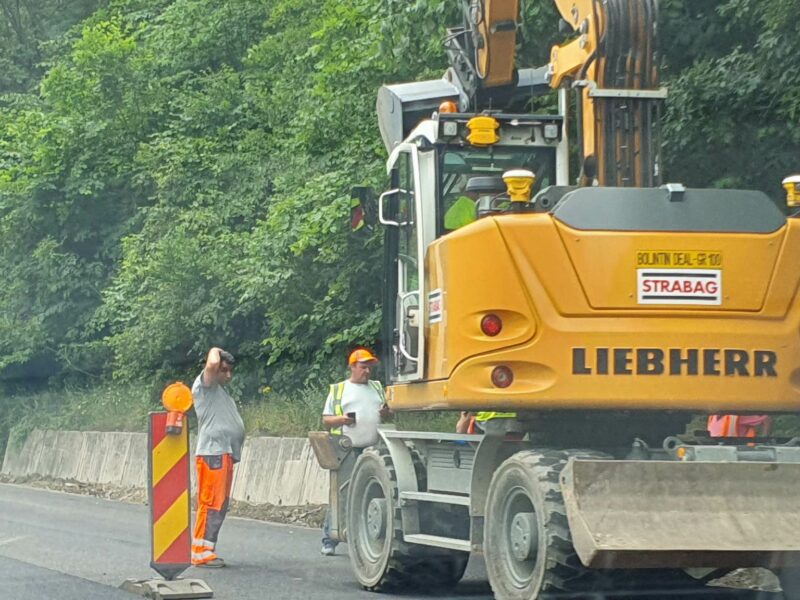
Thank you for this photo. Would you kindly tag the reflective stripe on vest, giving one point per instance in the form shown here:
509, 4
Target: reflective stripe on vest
337, 390
489, 415
378, 388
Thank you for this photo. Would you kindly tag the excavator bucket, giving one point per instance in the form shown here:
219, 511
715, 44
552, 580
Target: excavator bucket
641, 514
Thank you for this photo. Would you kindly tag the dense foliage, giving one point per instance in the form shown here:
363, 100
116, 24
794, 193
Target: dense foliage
176, 173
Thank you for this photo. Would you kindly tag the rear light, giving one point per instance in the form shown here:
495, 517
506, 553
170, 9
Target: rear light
491, 325
502, 376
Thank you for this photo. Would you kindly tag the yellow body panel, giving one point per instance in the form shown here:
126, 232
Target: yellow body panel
566, 297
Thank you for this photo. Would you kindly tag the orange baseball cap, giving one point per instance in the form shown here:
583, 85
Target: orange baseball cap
361, 355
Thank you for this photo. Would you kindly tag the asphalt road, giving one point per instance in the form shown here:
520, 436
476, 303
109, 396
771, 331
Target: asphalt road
66, 547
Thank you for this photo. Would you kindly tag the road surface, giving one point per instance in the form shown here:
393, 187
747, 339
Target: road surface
63, 547
57, 546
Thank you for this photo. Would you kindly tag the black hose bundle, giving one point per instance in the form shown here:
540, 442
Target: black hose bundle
627, 60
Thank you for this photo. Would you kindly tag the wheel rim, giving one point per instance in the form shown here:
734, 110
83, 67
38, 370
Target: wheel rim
520, 536
373, 516
376, 519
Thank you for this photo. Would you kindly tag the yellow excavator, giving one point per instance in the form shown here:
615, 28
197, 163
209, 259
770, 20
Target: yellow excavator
603, 315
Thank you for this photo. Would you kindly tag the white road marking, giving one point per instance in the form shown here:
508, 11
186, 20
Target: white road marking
12, 540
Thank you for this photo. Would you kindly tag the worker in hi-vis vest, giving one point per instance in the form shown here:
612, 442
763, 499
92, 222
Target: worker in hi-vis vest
470, 422
354, 407
220, 438
743, 426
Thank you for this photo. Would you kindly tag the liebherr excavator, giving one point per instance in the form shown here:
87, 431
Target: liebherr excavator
603, 315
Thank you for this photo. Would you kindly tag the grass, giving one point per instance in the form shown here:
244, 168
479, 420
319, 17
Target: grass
296, 414
103, 408
124, 408
289, 415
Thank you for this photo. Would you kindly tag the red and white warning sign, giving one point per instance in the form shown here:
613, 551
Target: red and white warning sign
679, 286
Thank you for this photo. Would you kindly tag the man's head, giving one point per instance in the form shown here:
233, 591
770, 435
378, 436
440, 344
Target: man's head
361, 363
226, 362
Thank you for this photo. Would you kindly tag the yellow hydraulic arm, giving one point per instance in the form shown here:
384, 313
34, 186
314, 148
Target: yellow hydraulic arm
496, 22
613, 63
482, 52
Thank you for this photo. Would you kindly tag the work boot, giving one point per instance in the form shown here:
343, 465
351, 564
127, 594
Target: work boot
214, 563
328, 550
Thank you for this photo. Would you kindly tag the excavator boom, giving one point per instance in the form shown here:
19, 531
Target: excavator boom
482, 52
613, 63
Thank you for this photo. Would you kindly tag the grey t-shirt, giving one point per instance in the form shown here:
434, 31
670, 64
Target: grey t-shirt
221, 429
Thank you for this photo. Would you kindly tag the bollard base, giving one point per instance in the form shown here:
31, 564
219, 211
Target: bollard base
162, 589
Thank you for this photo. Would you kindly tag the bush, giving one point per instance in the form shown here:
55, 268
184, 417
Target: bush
285, 414
104, 408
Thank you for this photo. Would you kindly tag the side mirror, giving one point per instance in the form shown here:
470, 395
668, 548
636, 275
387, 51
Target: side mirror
362, 208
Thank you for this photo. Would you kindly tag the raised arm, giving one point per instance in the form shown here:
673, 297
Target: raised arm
211, 370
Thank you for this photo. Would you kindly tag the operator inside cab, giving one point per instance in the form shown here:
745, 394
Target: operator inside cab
482, 196
489, 195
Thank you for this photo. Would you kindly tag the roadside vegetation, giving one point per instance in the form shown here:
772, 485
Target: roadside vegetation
175, 174
125, 407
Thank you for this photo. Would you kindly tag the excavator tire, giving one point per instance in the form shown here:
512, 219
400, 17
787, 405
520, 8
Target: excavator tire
381, 560
527, 542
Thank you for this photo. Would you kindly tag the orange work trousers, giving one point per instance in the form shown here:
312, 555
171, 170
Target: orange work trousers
214, 479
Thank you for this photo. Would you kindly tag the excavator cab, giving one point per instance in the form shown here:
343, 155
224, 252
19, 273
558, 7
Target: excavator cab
435, 167
478, 175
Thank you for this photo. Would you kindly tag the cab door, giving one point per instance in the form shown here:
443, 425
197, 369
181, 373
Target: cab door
400, 208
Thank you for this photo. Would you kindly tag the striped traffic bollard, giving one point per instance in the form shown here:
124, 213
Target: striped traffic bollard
170, 510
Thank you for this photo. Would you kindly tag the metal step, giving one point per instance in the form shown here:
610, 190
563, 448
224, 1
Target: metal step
432, 497
438, 541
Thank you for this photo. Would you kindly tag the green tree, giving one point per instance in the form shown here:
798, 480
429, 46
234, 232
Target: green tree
175, 173
732, 118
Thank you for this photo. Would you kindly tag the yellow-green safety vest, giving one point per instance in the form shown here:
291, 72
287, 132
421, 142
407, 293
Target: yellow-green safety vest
337, 389
489, 415
462, 212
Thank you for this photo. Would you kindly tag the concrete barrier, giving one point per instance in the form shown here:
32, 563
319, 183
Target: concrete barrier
281, 471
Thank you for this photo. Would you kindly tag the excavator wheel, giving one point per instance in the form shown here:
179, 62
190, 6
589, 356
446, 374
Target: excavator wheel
527, 541
381, 560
